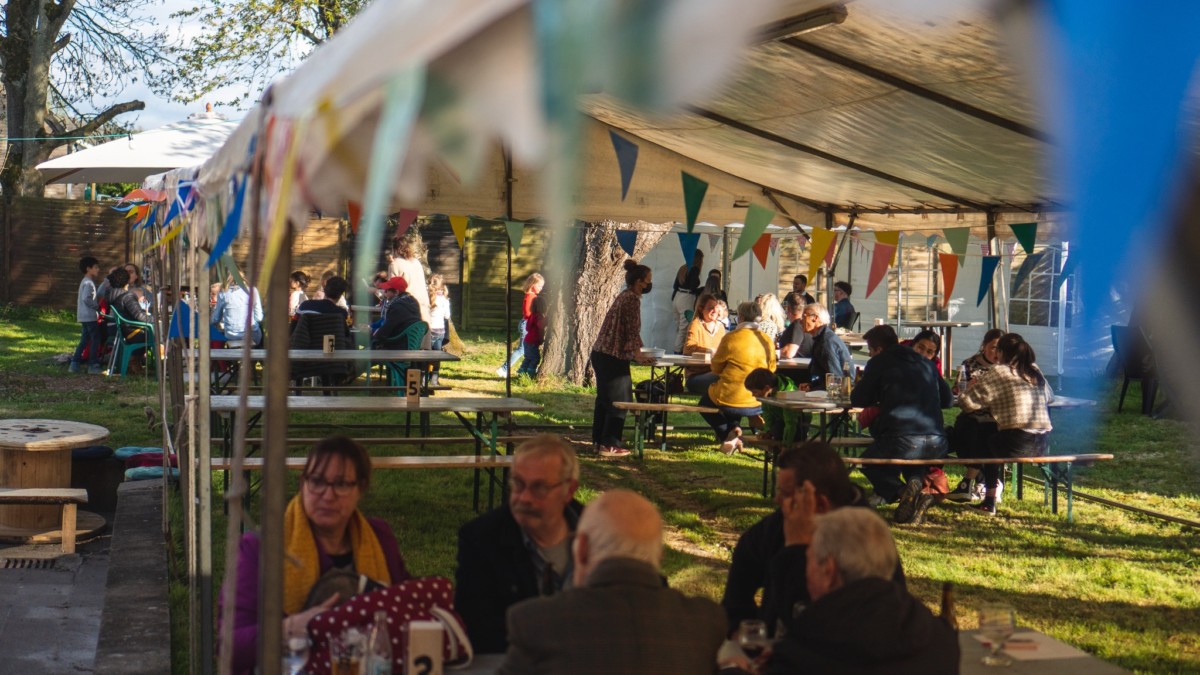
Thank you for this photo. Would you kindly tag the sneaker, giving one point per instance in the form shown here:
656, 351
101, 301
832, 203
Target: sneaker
999, 491
73, 368
978, 491
964, 492
987, 506
502, 372
730, 447
94, 369
877, 501
614, 451
910, 499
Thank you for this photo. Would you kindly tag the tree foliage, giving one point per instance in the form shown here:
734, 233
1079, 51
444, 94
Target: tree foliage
80, 50
244, 44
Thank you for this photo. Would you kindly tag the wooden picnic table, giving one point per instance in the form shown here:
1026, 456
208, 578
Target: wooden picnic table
36, 453
1042, 655
417, 355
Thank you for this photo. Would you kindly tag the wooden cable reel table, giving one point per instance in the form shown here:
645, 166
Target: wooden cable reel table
36, 453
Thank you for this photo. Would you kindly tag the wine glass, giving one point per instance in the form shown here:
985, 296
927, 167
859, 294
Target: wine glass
752, 638
996, 623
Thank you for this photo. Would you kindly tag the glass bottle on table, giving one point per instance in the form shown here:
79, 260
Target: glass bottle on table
379, 647
847, 380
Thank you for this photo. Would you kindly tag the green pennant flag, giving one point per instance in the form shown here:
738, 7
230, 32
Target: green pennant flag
1025, 233
958, 237
693, 196
757, 219
515, 230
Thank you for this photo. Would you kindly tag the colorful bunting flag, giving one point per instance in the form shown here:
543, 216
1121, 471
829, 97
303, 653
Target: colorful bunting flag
949, 265
1026, 233
516, 230
688, 242
822, 243
232, 222
761, 248
958, 237
404, 221
892, 240
713, 241
880, 262
988, 271
459, 225
693, 197
931, 241
627, 240
774, 244
354, 215
757, 219
1027, 266
627, 153
1068, 268
167, 238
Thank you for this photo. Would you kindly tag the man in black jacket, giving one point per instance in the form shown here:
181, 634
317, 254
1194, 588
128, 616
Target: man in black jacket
829, 353
910, 395
400, 310
770, 555
522, 549
860, 621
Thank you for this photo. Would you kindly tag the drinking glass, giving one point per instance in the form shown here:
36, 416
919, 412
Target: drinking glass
996, 623
752, 638
347, 652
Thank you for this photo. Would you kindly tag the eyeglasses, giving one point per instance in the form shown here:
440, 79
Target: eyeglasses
537, 490
341, 488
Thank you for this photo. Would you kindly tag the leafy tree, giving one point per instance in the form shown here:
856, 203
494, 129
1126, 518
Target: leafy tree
244, 44
79, 49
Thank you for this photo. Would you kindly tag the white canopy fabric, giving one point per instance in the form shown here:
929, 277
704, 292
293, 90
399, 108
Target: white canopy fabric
132, 159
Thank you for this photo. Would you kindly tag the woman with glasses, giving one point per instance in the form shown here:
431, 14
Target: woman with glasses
324, 535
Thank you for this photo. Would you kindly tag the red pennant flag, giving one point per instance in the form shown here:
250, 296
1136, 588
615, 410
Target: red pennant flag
879, 265
353, 213
949, 263
405, 220
761, 247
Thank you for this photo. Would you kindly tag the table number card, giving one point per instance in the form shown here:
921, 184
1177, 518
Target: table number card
425, 645
412, 388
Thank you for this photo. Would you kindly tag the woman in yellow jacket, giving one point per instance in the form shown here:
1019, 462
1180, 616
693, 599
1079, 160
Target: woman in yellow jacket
741, 351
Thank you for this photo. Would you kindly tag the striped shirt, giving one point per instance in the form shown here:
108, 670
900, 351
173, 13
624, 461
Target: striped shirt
1013, 402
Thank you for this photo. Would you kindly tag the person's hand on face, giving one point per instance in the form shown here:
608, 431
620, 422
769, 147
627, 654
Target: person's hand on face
798, 509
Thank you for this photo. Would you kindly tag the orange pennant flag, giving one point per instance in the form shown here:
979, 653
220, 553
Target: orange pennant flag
822, 244
891, 239
353, 214
949, 263
761, 248
459, 225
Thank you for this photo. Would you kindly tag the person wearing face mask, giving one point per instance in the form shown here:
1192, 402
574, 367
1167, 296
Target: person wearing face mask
618, 344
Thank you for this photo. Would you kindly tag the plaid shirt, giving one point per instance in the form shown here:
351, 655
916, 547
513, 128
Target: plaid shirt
1013, 402
621, 333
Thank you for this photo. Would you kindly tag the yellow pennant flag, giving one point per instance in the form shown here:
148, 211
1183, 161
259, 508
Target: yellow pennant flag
168, 237
283, 198
891, 239
459, 225
821, 241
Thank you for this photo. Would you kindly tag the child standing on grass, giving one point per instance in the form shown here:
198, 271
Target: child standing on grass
535, 335
439, 319
87, 308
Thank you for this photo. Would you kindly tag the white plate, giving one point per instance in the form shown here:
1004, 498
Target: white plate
817, 394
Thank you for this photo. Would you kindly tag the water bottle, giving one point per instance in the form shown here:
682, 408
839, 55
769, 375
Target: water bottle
379, 647
295, 655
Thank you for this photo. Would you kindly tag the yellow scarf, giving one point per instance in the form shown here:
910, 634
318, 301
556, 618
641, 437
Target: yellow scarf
302, 565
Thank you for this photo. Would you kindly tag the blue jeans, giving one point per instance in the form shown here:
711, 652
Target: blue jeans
91, 337
727, 419
436, 339
519, 350
533, 359
886, 479
698, 383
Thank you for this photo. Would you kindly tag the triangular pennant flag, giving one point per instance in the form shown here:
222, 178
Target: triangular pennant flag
829, 253
987, 271
232, 222
627, 153
761, 248
693, 196
627, 239
958, 237
879, 265
404, 221
822, 243
892, 241
688, 243
757, 219
774, 244
1031, 261
1068, 268
516, 229
1025, 233
949, 265
931, 241
459, 225
353, 214
713, 241
167, 238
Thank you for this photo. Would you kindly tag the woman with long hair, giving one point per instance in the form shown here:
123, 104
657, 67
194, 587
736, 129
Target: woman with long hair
773, 319
1016, 394
406, 264
534, 284
618, 344
703, 337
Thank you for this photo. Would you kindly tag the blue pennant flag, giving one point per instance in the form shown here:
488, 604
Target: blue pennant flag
1067, 270
990, 263
627, 239
232, 222
688, 242
627, 153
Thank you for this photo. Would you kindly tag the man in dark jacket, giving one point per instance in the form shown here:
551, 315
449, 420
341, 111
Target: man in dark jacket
400, 310
910, 394
770, 555
829, 353
522, 549
859, 620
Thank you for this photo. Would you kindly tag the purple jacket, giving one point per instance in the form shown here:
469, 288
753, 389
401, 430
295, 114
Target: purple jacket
245, 612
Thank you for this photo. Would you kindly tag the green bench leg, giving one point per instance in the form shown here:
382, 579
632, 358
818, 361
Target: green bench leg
638, 440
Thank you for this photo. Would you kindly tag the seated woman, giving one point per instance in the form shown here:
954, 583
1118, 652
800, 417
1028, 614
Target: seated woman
740, 352
1016, 393
928, 344
773, 319
970, 432
323, 531
704, 335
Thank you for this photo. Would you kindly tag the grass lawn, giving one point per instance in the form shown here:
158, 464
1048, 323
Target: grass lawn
1118, 585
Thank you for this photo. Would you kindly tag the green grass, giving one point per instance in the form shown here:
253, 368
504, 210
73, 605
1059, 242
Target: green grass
1121, 586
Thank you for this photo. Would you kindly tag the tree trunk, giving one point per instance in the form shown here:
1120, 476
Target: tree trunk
581, 292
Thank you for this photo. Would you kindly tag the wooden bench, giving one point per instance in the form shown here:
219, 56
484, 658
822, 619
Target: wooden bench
418, 462
1057, 469
643, 419
771, 449
69, 498
394, 440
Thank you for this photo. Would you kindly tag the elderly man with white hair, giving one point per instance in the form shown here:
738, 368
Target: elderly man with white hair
829, 353
860, 620
620, 617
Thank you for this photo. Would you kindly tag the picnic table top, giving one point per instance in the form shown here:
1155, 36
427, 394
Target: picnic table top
48, 435
228, 403
340, 355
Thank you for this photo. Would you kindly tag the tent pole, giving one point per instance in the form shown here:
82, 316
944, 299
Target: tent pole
993, 248
508, 213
